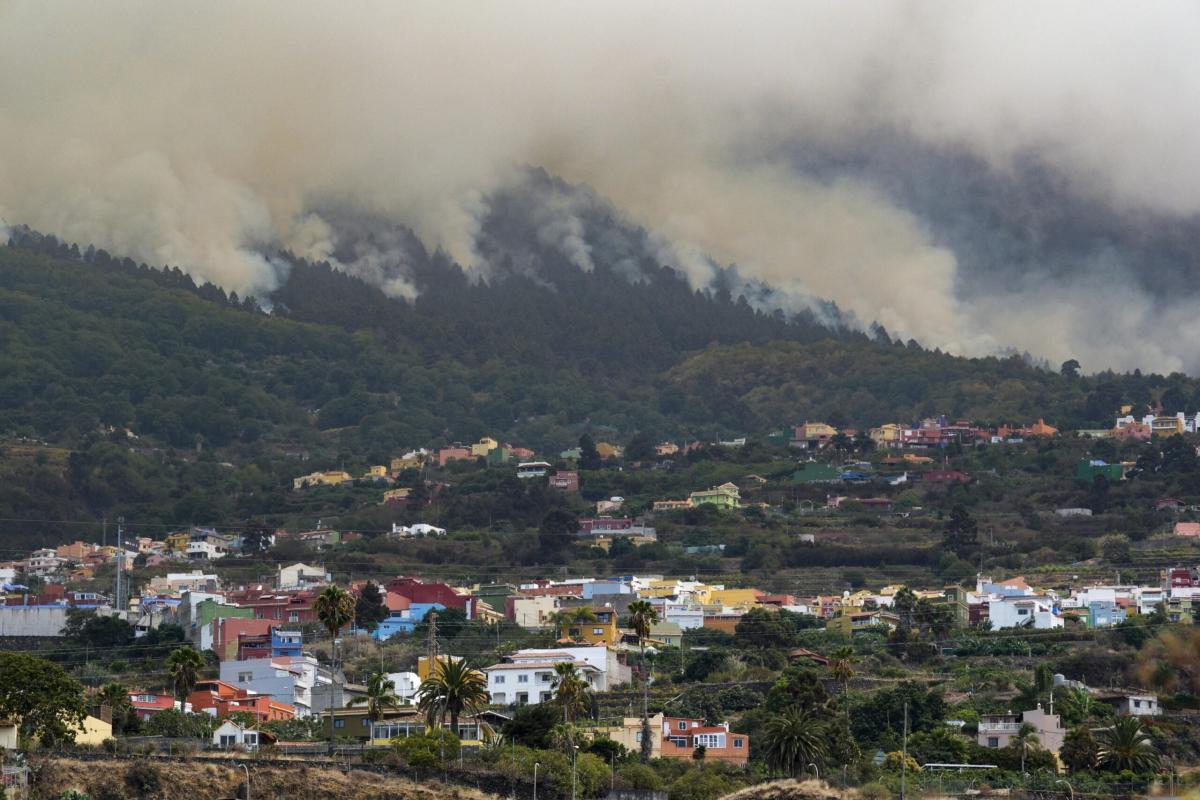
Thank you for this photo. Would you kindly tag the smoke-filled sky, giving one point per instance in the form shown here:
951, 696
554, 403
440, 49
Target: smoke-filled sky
205, 134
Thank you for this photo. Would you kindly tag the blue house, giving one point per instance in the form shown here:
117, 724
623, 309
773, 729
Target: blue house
286, 643
1104, 614
404, 620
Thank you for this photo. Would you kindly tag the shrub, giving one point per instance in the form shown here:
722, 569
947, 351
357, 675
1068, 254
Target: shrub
640, 777
427, 751
143, 779
875, 791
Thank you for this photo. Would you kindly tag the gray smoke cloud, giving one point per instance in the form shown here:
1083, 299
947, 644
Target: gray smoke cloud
205, 134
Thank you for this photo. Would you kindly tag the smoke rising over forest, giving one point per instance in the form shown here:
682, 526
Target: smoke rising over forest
977, 176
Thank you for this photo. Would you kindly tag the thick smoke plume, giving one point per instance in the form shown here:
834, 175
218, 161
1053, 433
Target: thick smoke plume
205, 135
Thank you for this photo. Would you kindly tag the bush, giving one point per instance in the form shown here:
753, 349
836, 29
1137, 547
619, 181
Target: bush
427, 751
700, 784
640, 777
143, 779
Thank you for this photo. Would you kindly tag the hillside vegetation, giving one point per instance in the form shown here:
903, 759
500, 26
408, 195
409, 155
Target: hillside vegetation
165, 401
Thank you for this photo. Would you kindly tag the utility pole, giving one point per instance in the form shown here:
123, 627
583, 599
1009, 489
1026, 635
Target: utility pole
904, 754
118, 601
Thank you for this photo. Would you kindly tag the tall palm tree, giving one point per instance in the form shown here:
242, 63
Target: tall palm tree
380, 696
841, 666
642, 615
116, 697
335, 610
793, 740
1126, 744
570, 690
566, 737
184, 665
452, 688
1026, 740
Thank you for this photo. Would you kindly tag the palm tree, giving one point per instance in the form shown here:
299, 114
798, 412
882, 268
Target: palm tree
841, 666
116, 697
452, 688
1026, 740
1127, 745
793, 740
184, 665
570, 690
380, 696
335, 610
566, 737
642, 615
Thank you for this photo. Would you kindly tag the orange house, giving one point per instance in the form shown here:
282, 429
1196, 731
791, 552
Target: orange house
225, 698
682, 735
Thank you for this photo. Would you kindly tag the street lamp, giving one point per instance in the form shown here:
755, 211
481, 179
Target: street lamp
816, 771
247, 771
1070, 789
535, 769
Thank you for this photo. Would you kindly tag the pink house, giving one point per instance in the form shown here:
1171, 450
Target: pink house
448, 454
1187, 529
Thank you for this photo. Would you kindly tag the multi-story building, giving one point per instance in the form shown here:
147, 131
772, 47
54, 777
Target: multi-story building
287, 679
220, 699
529, 680
997, 730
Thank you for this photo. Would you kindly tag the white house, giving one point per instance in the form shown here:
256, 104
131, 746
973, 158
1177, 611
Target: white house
8, 734
1022, 611
530, 680
230, 735
205, 551
405, 685
416, 530
532, 612
302, 576
686, 615
611, 671
533, 469
44, 562
1135, 704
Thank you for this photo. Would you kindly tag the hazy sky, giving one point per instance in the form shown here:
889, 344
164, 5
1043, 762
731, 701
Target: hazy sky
202, 134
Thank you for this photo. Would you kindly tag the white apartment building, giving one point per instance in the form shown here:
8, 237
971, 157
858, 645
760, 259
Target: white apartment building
287, 679
526, 681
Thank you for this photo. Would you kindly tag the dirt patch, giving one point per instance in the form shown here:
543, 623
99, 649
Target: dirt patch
793, 790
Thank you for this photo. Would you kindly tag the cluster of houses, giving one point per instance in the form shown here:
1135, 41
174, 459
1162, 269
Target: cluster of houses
258, 632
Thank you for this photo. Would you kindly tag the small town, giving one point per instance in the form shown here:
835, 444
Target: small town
599, 400
645, 668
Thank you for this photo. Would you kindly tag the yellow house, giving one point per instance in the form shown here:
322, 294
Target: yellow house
484, 446
912, 458
423, 665
886, 435
330, 478
725, 496
733, 598
93, 731
396, 495
849, 622
178, 542
377, 471
602, 630
410, 461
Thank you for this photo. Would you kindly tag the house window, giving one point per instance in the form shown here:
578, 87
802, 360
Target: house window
245, 677
339, 723
522, 679
499, 679
1137, 703
738, 743
993, 741
294, 617
683, 726
597, 631
679, 741
365, 722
